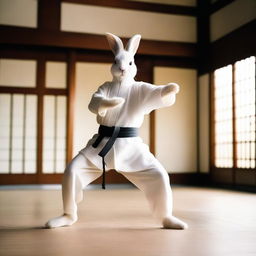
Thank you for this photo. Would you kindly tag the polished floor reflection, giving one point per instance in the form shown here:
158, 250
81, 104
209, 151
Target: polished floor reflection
118, 222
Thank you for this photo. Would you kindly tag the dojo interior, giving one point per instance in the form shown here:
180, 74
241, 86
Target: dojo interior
54, 56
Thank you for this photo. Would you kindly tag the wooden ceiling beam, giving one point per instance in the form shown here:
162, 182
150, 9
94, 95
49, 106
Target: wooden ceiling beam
27, 36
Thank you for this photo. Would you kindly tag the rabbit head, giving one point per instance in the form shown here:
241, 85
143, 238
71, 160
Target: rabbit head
123, 66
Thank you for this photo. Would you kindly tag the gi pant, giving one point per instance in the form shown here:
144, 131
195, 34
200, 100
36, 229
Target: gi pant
154, 182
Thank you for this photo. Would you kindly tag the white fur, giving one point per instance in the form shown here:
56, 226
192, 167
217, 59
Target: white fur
124, 68
123, 102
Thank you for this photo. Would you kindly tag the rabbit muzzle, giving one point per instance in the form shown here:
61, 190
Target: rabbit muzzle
122, 71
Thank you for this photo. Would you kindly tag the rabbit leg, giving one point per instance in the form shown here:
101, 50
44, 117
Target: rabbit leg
78, 174
155, 184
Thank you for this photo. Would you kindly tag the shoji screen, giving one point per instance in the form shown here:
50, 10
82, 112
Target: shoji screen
234, 104
245, 110
18, 139
55, 119
18, 117
223, 117
33, 117
234, 118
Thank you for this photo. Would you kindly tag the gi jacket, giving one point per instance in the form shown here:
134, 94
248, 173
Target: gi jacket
127, 154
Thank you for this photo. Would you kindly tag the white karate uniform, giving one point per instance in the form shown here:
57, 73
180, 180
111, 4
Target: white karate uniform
129, 156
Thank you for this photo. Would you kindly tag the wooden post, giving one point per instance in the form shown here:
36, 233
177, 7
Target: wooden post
71, 99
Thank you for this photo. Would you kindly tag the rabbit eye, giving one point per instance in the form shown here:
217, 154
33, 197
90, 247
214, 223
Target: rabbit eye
130, 63
115, 62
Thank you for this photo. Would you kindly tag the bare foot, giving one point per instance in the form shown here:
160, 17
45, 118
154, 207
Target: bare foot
61, 221
174, 223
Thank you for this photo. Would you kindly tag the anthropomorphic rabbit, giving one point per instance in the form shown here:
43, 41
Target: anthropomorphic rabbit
123, 102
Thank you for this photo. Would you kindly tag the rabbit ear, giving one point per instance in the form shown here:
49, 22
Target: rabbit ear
133, 44
115, 43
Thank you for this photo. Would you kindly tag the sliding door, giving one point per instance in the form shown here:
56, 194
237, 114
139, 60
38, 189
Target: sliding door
234, 133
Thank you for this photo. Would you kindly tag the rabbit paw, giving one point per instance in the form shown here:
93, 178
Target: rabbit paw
171, 88
61, 221
174, 223
175, 88
110, 103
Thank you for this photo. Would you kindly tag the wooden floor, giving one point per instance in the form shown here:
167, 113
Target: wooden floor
117, 222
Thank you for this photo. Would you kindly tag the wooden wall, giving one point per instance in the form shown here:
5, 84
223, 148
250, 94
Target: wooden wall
180, 36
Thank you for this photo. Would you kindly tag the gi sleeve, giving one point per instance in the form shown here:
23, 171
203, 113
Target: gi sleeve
151, 98
96, 99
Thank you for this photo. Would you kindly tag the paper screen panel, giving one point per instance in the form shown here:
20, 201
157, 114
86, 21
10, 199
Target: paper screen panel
176, 125
30, 154
49, 132
22, 13
245, 112
17, 133
5, 121
61, 123
54, 138
17, 73
154, 26
223, 117
56, 74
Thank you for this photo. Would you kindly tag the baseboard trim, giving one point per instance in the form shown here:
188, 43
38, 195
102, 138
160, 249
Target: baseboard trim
198, 179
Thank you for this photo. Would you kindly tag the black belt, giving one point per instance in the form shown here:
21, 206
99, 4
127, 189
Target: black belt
113, 133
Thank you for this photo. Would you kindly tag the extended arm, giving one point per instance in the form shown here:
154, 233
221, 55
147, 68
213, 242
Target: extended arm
155, 97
